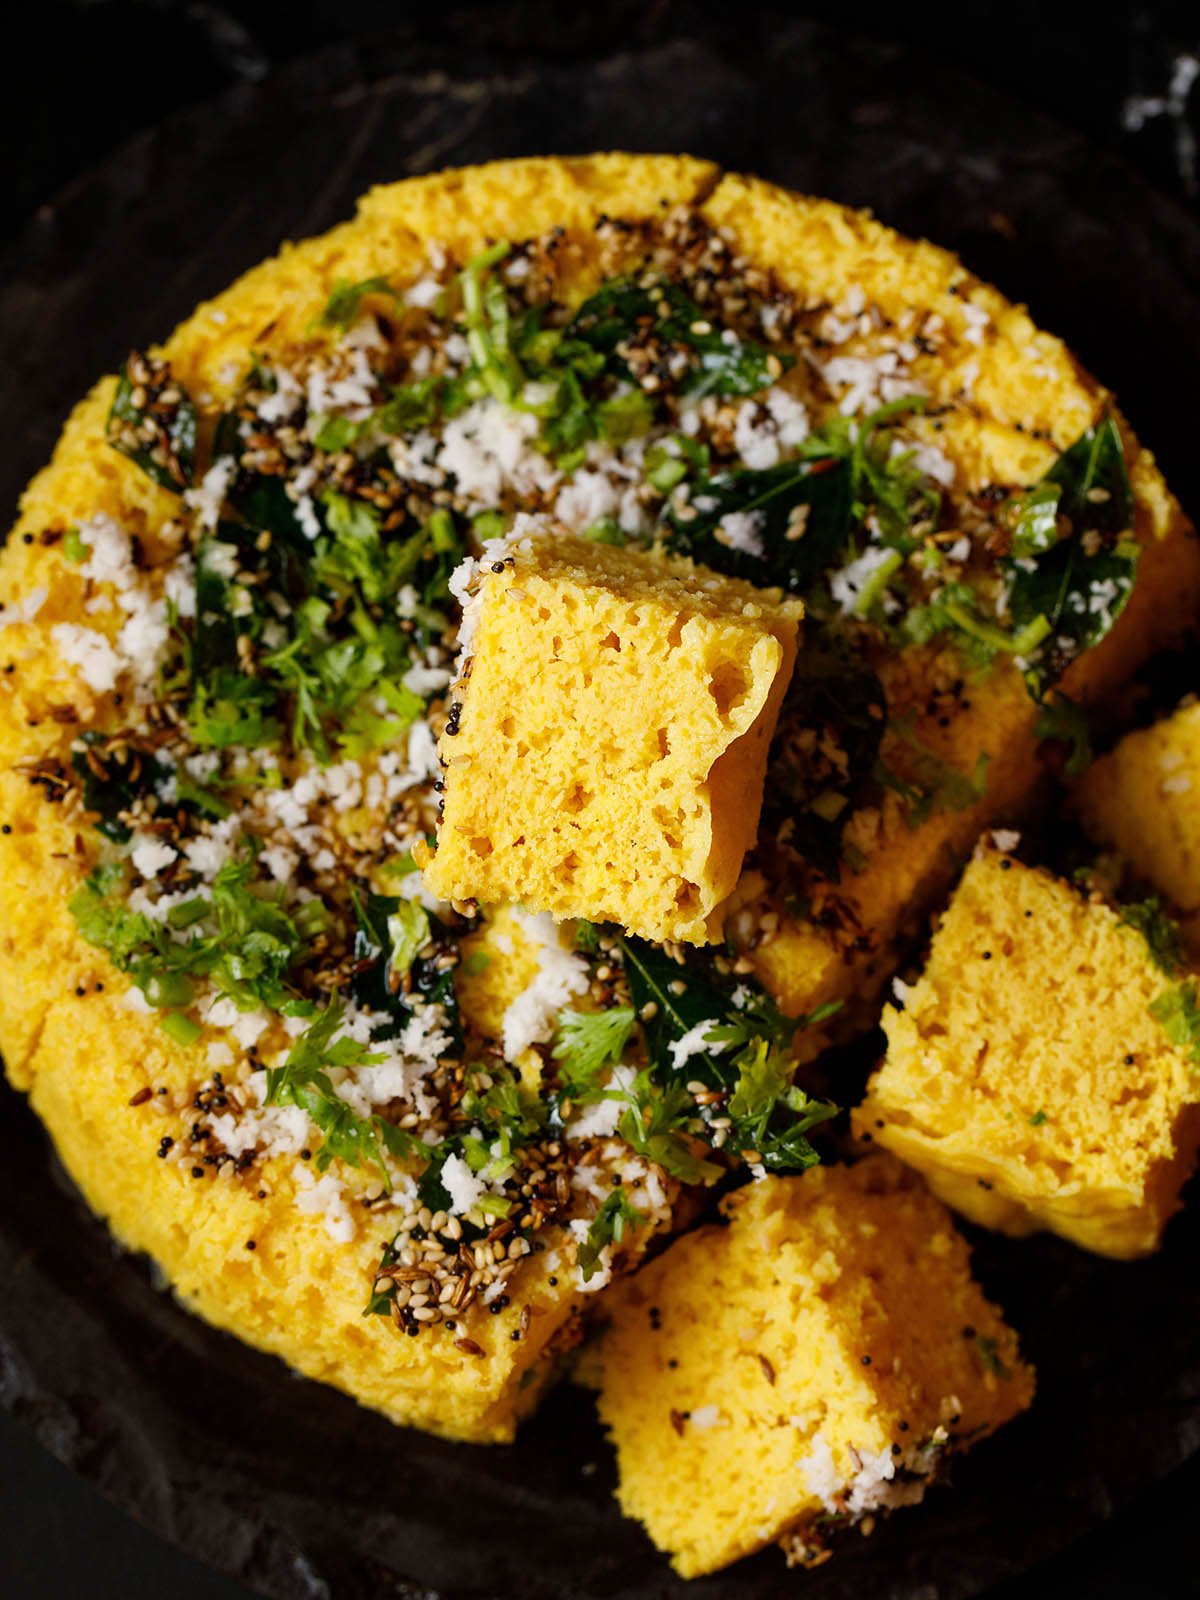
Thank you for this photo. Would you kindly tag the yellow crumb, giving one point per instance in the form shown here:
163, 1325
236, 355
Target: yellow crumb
1026, 1076
814, 1356
610, 757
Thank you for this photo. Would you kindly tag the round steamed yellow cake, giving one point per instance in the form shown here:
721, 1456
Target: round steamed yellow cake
272, 1248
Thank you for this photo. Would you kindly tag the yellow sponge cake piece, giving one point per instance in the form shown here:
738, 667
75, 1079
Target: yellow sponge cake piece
1143, 801
608, 756
809, 1363
1040, 1074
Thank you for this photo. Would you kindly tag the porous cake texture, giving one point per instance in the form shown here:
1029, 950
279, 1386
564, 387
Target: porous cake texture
608, 755
1039, 1073
1143, 801
808, 1363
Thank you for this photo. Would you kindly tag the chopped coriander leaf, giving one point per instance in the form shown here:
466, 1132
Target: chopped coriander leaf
952, 609
674, 1001
232, 710
257, 941
303, 1080
410, 407
617, 1216
200, 798
658, 1127
989, 1354
624, 416
1178, 1009
589, 1042
935, 786
182, 1029
336, 433
606, 530
354, 554
1064, 721
1037, 1119
509, 1114
760, 1019
993, 638
1160, 932
105, 921
252, 945
346, 298
772, 1117
889, 486
74, 549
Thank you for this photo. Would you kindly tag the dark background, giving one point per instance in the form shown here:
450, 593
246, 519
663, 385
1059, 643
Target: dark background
88, 74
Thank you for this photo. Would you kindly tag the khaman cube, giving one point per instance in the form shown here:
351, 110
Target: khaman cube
1044, 1072
1143, 801
607, 758
810, 1363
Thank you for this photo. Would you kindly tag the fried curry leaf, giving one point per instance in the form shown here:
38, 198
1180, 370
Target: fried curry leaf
622, 314
404, 954
799, 516
114, 780
152, 420
1093, 482
735, 1041
1076, 586
789, 524
1161, 933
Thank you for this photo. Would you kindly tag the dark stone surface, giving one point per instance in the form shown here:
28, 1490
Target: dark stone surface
285, 1484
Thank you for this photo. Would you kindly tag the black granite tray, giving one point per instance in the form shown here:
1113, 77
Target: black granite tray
290, 1487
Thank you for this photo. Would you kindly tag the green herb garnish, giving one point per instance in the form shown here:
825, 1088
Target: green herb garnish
1065, 721
616, 1216
1161, 933
589, 1042
152, 421
346, 298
